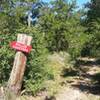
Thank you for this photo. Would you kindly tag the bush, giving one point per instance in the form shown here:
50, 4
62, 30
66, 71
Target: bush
35, 72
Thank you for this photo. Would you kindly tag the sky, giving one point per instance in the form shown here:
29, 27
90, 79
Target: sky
79, 2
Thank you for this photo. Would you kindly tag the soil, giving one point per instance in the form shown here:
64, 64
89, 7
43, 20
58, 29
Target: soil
83, 86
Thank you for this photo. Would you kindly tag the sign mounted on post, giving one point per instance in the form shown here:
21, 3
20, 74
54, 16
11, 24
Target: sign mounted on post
23, 44
20, 47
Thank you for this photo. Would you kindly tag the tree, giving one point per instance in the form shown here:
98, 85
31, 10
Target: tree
12, 24
62, 28
57, 28
92, 24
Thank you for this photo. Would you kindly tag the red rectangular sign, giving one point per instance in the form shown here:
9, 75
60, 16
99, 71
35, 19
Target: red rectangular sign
20, 47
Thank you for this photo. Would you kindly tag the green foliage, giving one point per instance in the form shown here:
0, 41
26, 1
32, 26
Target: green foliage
62, 28
92, 23
35, 73
6, 61
58, 29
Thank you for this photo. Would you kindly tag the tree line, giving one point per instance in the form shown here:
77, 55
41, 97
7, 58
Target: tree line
55, 26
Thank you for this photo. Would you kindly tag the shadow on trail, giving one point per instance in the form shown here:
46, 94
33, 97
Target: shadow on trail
88, 62
93, 87
88, 71
69, 72
90, 80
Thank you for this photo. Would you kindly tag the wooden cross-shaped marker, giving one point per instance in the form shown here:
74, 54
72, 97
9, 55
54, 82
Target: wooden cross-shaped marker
17, 73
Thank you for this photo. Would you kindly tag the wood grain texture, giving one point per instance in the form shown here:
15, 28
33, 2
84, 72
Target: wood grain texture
17, 73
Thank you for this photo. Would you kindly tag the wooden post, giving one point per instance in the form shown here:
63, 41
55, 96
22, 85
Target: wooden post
17, 73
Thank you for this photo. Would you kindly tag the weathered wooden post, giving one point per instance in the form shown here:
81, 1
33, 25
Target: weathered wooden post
22, 46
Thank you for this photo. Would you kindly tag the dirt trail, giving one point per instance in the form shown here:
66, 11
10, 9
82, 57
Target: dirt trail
82, 86
71, 94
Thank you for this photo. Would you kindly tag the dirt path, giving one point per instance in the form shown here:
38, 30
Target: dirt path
80, 84
83, 86
71, 94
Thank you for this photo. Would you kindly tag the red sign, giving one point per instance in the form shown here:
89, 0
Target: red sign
21, 47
